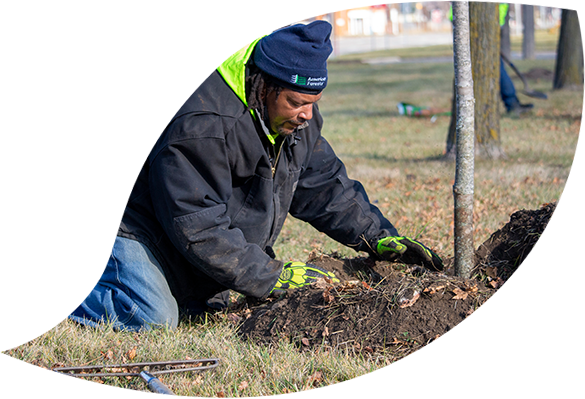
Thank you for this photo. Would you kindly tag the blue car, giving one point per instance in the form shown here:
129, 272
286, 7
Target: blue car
6, 76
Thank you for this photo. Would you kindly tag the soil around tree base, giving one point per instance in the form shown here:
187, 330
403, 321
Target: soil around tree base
388, 307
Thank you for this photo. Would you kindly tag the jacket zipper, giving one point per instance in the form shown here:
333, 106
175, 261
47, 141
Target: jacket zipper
276, 160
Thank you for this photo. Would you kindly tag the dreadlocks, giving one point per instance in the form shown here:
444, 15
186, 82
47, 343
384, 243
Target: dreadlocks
257, 82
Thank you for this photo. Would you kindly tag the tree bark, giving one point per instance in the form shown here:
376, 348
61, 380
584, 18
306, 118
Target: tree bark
227, 19
528, 32
485, 61
463, 187
569, 64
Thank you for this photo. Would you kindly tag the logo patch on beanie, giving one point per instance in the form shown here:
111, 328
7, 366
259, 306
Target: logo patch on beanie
298, 80
310, 82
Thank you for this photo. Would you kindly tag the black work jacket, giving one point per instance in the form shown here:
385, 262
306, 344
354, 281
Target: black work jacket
207, 204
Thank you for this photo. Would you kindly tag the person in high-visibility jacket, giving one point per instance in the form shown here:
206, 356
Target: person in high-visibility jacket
507, 89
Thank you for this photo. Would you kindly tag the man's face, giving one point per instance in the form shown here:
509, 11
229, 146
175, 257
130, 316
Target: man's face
289, 110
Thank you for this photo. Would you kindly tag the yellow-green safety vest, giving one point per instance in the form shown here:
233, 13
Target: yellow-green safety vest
504, 7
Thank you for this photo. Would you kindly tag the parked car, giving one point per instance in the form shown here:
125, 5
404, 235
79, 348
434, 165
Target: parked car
6, 76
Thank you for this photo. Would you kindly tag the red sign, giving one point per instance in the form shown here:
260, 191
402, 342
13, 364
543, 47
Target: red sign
59, 17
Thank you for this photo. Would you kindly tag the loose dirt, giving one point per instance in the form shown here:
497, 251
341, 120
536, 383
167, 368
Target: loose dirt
390, 307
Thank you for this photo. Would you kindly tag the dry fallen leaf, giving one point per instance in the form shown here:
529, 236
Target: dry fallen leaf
131, 353
108, 355
220, 394
243, 385
433, 289
406, 302
305, 341
327, 296
459, 294
325, 332
322, 283
496, 283
234, 318
314, 379
491, 271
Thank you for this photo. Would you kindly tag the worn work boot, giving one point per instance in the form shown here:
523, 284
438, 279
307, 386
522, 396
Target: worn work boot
520, 108
49, 250
16, 263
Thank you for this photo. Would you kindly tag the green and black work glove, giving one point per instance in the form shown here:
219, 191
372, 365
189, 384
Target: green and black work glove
408, 251
299, 274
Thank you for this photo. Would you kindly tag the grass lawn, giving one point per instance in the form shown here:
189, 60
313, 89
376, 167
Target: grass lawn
398, 159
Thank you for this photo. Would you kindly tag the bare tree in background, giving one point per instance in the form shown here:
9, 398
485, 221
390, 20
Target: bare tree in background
227, 19
505, 43
569, 65
528, 46
484, 30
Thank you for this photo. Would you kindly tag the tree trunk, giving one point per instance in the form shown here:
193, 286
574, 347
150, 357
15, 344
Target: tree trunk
227, 19
528, 32
485, 60
463, 187
505, 44
569, 64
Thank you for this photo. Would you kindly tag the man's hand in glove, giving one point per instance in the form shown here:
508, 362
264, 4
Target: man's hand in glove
298, 274
408, 251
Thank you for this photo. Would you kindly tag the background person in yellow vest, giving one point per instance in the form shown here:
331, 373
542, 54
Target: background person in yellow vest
507, 89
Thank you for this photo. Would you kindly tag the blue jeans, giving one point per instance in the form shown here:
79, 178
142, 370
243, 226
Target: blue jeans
507, 89
132, 293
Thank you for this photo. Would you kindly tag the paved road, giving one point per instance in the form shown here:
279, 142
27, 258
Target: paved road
48, 72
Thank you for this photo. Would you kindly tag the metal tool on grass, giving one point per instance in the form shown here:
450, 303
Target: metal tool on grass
527, 90
147, 371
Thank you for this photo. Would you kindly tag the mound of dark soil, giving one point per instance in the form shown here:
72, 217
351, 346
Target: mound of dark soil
545, 246
539, 74
390, 307
63, 99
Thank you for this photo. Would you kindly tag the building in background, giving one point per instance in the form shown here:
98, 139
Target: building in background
25, 26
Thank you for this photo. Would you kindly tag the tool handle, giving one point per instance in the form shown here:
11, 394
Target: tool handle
507, 60
154, 384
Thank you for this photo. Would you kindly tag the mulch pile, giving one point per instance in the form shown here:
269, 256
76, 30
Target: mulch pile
381, 306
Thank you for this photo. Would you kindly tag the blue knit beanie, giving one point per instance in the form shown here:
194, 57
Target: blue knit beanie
296, 56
